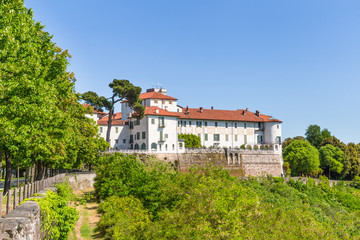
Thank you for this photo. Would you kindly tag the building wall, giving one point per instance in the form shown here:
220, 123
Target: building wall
169, 133
272, 131
232, 136
117, 134
170, 105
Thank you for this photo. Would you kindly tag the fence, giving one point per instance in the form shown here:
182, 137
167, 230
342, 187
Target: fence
15, 196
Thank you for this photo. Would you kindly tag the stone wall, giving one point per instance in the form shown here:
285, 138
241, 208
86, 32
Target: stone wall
238, 162
81, 180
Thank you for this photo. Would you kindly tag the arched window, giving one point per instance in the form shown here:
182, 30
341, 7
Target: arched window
236, 159
136, 146
143, 146
153, 146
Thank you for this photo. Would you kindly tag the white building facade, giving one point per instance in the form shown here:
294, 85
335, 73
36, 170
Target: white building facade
164, 119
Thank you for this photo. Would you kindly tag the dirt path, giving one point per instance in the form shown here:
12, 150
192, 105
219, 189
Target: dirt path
84, 228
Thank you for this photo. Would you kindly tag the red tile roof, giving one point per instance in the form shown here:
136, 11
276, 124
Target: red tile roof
94, 110
155, 95
225, 115
116, 120
161, 112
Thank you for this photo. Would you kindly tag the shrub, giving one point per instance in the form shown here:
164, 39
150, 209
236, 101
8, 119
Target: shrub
242, 146
248, 147
356, 182
123, 218
256, 147
57, 218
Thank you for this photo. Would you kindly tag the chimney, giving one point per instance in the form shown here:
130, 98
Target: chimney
187, 109
244, 113
201, 109
212, 108
163, 91
157, 111
247, 109
257, 113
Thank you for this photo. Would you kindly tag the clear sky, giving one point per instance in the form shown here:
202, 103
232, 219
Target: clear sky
298, 61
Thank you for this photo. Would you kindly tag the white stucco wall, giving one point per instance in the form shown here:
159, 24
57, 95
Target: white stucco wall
272, 131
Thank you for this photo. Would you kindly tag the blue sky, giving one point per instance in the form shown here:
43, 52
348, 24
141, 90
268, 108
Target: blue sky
296, 60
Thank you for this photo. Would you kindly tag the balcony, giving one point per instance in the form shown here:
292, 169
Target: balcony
161, 125
161, 140
131, 141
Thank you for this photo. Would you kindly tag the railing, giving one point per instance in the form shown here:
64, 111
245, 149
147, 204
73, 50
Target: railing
161, 125
15, 196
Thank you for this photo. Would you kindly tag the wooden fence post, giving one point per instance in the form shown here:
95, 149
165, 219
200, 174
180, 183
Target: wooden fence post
20, 195
8, 201
1, 197
15, 197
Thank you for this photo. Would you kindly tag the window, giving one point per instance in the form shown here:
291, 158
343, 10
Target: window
101, 129
166, 135
206, 136
124, 140
161, 122
163, 101
143, 135
226, 137
226, 125
260, 138
198, 123
216, 124
173, 146
170, 101
143, 146
117, 141
235, 138
189, 123
178, 123
116, 129
245, 139
278, 126
216, 137
205, 123
244, 125
152, 121
131, 138
137, 122
184, 123
153, 146
155, 101
138, 135
235, 125
166, 147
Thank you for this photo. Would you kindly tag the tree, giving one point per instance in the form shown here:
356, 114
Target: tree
191, 140
351, 161
122, 90
38, 103
315, 135
303, 158
331, 158
289, 140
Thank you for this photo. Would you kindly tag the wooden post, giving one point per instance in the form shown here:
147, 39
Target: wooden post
8, 201
20, 195
1, 196
30, 190
25, 191
15, 197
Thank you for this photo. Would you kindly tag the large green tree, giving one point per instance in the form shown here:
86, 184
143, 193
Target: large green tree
303, 158
38, 104
331, 159
351, 161
121, 90
315, 135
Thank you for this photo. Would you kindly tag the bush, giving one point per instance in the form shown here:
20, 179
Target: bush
191, 140
242, 146
248, 147
57, 218
123, 218
356, 182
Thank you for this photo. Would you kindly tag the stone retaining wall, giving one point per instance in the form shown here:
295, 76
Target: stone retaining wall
81, 180
239, 163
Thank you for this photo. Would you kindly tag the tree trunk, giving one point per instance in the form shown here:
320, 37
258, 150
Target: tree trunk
18, 173
7, 185
27, 176
46, 171
1, 172
111, 113
40, 170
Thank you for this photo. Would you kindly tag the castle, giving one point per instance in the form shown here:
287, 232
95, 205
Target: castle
164, 119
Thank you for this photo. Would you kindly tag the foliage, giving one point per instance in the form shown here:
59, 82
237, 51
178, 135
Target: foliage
123, 218
352, 161
302, 157
121, 176
121, 90
57, 218
287, 141
315, 135
208, 203
191, 140
331, 158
